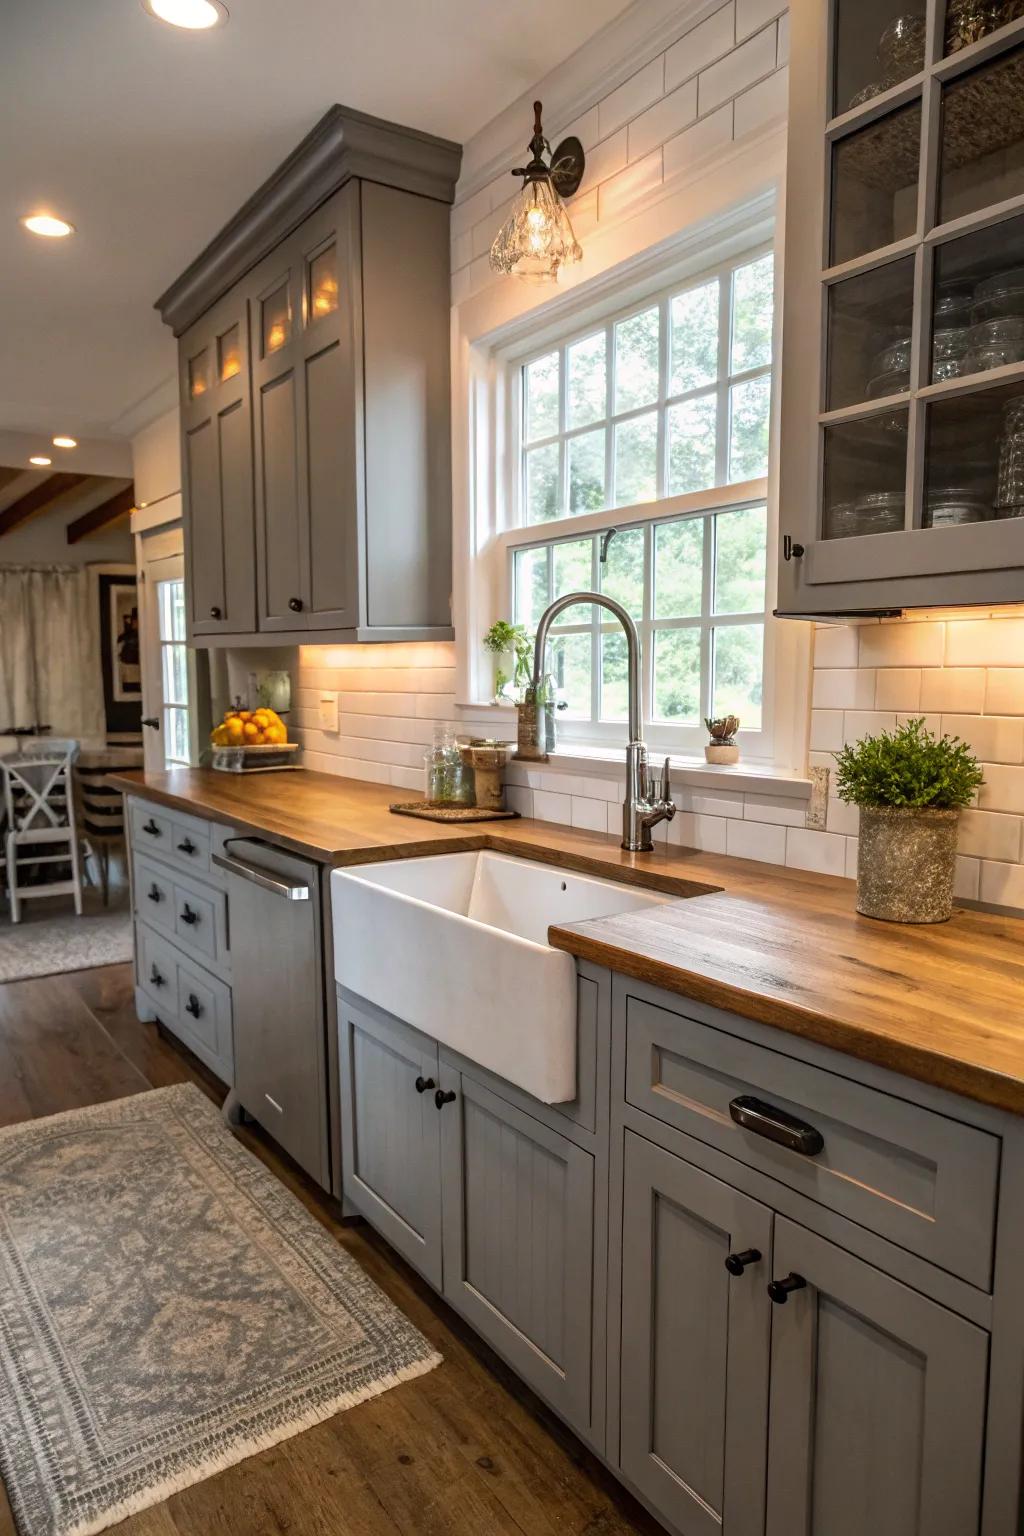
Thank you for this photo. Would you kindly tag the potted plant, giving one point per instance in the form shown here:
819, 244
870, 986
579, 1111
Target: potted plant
512, 642
910, 786
722, 747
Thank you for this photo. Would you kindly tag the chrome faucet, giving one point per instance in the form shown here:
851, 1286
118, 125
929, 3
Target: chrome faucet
647, 801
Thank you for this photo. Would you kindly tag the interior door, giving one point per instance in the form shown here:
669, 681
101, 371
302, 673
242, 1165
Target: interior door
877, 1402
694, 1356
172, 674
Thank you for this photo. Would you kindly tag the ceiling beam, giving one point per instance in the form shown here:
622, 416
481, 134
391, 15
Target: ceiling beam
7, 475
39, 497
118, 505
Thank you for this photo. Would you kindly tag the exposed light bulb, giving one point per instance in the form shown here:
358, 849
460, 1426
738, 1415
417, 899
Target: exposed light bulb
192, 15
47, 225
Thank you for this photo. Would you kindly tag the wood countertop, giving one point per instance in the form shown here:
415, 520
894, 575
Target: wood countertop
943, 1004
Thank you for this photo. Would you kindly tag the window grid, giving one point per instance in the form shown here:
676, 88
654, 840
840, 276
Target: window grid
174, 672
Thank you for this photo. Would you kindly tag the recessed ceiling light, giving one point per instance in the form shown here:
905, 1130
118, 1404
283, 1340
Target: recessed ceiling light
65, 442
40, 459
46, 224
194, 15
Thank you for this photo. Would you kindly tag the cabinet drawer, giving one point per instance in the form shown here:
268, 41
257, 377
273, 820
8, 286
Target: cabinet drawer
153, 894
158, 972
151, 828
182, 841
200, 921
190, 843
203, 1018
916, 1177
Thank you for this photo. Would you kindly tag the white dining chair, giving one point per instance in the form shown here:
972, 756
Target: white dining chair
40, 831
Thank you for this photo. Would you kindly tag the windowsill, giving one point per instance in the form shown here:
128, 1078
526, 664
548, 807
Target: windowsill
603, 761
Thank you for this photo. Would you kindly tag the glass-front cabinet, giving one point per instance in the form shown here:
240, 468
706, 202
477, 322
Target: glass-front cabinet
902, 467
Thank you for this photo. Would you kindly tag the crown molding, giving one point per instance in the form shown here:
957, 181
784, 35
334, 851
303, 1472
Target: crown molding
601, 64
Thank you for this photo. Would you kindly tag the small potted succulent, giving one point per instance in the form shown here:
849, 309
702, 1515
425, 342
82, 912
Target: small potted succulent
722, 747
911, 787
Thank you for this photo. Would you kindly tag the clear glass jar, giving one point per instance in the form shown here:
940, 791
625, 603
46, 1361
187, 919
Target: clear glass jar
449, 780
948, 506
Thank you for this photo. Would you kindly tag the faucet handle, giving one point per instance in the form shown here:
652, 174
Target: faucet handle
666, 784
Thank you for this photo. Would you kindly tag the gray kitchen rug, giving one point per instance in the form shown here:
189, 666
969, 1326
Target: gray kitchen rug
45, 943
167, 1308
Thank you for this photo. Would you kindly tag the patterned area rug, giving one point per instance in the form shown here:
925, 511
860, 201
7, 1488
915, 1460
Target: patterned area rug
167, 1308
51, 939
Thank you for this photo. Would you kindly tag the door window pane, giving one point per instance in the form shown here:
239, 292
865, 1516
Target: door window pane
679, 568
586, 471
636, 360
694, 338
622, 574
752, 309
982, 152
176, 749
323, 283
614, 677
749, 410
199, 374
865, 476
569, 659
869, 333
874, 184
542, 397
677, 675
175, 666
739, 672
878, 43
636, 460
691, 444
740, 560
276, 320
542, 494
531, 580
171, 609
978, 304
587, 393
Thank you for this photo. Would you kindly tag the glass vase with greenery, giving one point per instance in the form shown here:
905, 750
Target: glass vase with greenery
910, 786
512, 641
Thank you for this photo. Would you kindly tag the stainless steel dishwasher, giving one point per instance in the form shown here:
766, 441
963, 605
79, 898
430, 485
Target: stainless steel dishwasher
277, 988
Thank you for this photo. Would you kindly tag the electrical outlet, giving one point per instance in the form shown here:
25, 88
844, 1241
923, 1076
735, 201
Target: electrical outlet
327, 708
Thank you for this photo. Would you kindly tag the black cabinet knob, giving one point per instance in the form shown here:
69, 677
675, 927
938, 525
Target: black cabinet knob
441, 1098
154, 893
193, 1006
155, 979
790, 549
295, 604
779, 1290
423, 1083
736, 1263
188, 916
215, 612
151, 827
188, 846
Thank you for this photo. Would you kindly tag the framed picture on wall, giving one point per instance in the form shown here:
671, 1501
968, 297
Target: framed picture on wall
120, 650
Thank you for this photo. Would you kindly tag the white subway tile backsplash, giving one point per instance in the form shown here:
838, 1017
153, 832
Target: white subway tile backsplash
992, 739
826, 731
953, 690
1002, 885
836, 645
1005, 690
706, 833
762, 104
859, 723
843, 818
662, 121
1003, 789
989, 835
695, 144
782, 810
897, 688
983, 642
752, 14
616, 194
843, 688
590, 815
822, 852
632, 97
548, 806
756, 840
967, 879
605, 159
739, 69
852, 849
783, 52
700, 46
902, 645
519, 798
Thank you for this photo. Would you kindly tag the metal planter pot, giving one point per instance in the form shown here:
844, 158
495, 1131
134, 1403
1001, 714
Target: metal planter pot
906, 863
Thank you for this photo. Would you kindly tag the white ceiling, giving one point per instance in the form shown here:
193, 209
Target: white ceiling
147, 138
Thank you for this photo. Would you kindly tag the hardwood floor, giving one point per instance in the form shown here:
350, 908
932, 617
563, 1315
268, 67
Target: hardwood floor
466, 1450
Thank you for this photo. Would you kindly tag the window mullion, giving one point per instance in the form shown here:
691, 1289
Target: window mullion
646, 629
724, 351
609, 402
706, 637
595, 638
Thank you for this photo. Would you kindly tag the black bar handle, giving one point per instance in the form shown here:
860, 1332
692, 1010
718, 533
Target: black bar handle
188, 846
776, 1125
155, 979
423, 1083
193, 1006
441, 1098
188, 916
779, 1290
736, 1263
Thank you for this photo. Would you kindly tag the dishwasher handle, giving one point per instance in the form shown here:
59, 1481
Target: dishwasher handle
281, 885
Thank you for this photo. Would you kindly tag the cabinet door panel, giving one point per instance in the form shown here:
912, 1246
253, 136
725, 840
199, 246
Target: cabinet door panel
391, 1160
877, 1403
333, 547
279, 503
519, 1241
694, 1371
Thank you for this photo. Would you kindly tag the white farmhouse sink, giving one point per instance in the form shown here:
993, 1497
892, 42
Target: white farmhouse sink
456, 945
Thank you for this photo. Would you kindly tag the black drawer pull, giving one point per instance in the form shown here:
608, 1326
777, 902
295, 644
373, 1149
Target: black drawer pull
151, 827
155, 894
193, 1006
188, 916
779, 1290
441, 1098
775, 1124
155, 979
423, 1083
188, 846
736, 1263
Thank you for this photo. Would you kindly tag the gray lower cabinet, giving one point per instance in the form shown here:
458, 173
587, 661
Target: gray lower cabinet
519, 1240
694, 1366
391, 1132
877, 1402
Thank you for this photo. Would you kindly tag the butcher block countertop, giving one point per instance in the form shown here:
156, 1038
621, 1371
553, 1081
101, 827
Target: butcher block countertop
943, 1004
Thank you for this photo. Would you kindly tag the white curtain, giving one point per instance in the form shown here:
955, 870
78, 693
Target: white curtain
50, 651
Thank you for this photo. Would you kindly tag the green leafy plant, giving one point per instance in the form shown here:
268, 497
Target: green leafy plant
722, 729
505, 639
909, 766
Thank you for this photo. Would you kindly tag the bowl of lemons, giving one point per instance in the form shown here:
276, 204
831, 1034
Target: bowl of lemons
252, 740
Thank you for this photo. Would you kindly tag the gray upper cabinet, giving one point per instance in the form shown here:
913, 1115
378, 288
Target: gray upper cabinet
217, 477
902, 391
877, 1402
318, 472
694, 1357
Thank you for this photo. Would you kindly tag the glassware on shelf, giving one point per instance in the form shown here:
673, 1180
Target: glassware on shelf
866, 93
967, 21
901, 48
948, 506
890, 370
982, 129
874, 184
1010, 479
999, 295
881, 511
953, 305
896, 382
870, 318
995, 343
949, 352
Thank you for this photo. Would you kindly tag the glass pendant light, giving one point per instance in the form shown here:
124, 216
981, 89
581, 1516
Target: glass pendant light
537, 238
